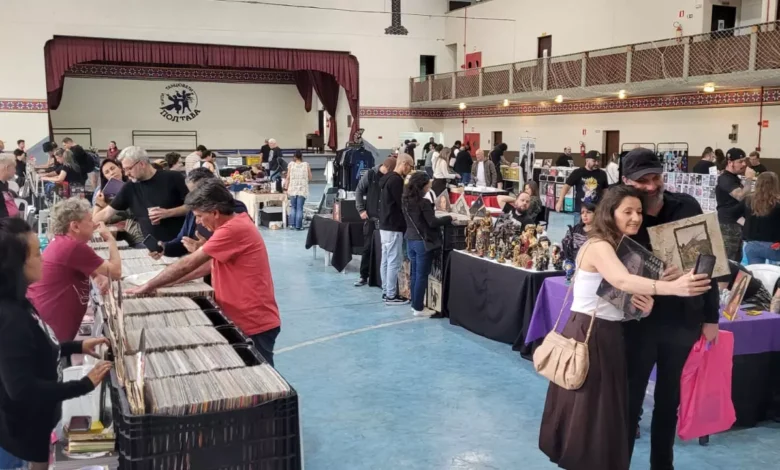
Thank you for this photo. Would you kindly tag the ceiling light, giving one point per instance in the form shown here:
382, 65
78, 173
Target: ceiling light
622, 94
462, 106
559, 99
506, 103
709, 88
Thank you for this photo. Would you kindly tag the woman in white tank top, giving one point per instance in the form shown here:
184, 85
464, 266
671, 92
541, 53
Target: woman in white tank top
587, 429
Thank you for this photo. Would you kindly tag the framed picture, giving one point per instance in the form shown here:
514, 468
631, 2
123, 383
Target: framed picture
679, 243
738, 290
433, 298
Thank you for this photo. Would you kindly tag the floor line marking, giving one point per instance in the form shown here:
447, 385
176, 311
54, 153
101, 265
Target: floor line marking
346, 333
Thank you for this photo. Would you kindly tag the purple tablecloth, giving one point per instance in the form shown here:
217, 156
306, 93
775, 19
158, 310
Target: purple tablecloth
752, 334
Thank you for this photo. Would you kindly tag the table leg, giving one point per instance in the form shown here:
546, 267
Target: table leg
327, 258
314, 251
284, 213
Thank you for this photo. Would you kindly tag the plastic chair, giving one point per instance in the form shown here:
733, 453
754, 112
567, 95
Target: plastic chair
766, 273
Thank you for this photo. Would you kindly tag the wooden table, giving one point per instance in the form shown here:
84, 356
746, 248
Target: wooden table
253, 201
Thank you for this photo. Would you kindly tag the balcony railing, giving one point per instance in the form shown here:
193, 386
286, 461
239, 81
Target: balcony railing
743, 56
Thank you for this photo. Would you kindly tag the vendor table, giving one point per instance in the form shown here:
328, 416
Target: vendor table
253, 201
375, 262
491, 299
756, 371
341, 239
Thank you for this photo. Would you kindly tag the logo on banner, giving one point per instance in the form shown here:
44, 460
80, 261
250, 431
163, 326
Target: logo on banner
179, 103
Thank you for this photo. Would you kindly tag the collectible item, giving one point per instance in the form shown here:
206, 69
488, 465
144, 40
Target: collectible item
461, 207
556, 253
434, 296
530, 235
568, 268
501, 252
443, 202
478, 204
492, 250
483, 236
736, 295
404, 282
679, 243
471, 236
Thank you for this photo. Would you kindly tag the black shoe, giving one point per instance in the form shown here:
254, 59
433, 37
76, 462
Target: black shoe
361, 282
397, 300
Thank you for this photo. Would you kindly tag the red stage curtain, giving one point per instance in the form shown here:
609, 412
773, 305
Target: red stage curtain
328, 91
304, 88
62, 52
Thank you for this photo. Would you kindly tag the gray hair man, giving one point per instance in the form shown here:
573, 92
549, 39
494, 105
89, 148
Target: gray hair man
155, 197
62, 294
237, 259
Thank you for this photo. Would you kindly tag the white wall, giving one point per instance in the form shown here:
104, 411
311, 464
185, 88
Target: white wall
386, 62
232, 115
699, 127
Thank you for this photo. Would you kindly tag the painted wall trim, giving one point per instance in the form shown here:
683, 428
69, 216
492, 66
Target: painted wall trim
719, 99
23, 105
132, 72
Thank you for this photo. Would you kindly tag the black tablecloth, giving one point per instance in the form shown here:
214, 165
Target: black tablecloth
493, 300
755, 387
342, 239
374, 265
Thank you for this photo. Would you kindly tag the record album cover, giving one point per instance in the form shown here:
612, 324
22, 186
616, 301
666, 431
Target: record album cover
638, 261
679, 243
741, 283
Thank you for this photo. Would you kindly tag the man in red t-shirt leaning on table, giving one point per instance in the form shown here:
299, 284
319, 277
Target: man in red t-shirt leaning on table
237, 259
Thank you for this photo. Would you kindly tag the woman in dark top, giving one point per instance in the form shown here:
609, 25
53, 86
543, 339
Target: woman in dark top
537, 208
463, 162
577, 235
132, 234
70, 172
31, 387
762, 220
422, 236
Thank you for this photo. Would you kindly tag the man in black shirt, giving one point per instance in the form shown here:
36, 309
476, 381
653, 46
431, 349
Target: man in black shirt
367, 202
755, 163
427, 146
729, 193
392, 226
665, 338
565, 159
156, 197
265, 151
589, 182
517, 211
702, 167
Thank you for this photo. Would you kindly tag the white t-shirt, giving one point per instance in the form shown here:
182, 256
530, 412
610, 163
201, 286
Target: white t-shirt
481, 174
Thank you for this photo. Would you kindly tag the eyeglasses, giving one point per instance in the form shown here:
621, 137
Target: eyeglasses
131, 166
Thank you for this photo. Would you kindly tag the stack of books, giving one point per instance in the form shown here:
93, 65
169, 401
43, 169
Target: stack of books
97, 439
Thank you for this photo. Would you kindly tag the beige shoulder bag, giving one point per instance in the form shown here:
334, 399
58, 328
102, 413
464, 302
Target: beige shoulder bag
564, 361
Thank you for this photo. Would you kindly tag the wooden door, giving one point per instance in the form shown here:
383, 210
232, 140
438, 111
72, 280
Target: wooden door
498, 138
612, 146
545, 44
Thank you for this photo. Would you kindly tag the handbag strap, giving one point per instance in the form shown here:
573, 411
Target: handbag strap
408, 216
566, 298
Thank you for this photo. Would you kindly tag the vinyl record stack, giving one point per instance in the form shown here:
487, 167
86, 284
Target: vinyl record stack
189, 390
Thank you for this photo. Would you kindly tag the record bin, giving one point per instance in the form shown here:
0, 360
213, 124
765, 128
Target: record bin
266, 436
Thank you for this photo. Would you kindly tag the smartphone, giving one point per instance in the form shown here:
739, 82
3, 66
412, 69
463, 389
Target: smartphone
152, 245
80, 424
705, 264
203, 231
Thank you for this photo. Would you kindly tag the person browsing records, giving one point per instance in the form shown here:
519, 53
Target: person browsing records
156, 197
392, 226
588, 183
665, 338
585, 429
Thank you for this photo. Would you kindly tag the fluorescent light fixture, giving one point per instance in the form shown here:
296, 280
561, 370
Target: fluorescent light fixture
462, 106
559, 99
506, 103
709, 88
622, 94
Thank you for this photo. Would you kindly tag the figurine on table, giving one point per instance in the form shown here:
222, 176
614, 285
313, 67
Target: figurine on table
483, 235
556, 253
502, 251
471, 236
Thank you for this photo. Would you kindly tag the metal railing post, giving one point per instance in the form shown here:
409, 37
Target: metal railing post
686, 59
512, 79
430, 88
453, 95
753, 51
480, 82
629, 58
545, 64
584, 73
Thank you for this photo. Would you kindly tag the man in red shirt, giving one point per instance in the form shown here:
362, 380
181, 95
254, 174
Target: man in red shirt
238, 262
62, 294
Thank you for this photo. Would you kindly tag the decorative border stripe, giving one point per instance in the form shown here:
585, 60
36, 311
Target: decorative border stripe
134, 72
719, 99
20, 105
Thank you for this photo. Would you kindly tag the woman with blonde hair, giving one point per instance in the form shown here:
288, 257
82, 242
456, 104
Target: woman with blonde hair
441, 171
762, 220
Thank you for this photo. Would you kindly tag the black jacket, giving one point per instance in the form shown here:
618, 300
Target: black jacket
265, 151
422, 223
276, 162
31, 394
368, 192
391, 217
463, 162
683, 311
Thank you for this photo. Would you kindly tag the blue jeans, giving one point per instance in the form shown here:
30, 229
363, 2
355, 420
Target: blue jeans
759, 252
392, 259
421, 262
9, 462
296, 211
465, 178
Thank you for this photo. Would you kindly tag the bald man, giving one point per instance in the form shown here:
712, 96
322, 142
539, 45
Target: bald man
392, 226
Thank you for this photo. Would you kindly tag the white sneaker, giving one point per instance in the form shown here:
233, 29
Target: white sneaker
424, 313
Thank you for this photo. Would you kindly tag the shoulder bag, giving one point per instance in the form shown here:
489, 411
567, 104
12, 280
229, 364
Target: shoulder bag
564, 361
429, 246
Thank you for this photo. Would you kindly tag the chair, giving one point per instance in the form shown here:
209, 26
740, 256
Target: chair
768, 274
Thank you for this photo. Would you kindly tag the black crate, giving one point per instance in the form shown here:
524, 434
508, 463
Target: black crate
217, 317
454, 237
233, 334
205, 303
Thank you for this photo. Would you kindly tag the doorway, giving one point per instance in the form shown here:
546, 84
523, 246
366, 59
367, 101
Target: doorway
612, 146
473, 140
723, 17
544, 47
498, 138
427, 65
452, 52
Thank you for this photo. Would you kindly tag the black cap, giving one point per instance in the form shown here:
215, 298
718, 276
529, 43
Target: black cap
593, 155
640, 162
735, 154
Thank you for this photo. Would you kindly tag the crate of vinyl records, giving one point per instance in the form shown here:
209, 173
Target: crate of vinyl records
186, 395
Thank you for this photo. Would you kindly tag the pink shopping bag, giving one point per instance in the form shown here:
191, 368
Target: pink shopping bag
705, 389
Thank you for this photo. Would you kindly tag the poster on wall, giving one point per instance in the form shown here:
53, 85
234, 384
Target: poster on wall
527, 155
179, 103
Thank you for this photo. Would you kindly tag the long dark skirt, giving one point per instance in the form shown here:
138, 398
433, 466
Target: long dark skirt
587, 429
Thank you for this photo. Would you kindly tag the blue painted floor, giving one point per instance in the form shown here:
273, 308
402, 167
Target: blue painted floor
381, 389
